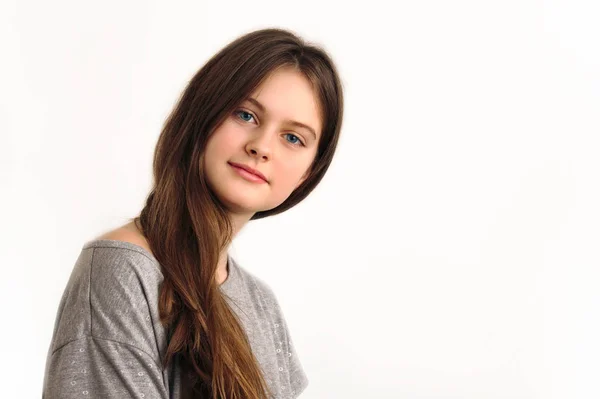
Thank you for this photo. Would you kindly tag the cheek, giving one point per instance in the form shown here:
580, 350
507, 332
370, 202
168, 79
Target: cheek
292, 174
222, 142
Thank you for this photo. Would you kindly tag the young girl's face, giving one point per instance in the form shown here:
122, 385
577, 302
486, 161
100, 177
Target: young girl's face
261, 134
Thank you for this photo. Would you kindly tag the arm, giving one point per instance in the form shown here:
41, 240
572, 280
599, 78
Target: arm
98, 368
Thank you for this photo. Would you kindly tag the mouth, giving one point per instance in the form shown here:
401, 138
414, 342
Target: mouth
248, 173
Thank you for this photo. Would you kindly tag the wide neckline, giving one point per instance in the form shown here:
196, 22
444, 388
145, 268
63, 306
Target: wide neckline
103, 243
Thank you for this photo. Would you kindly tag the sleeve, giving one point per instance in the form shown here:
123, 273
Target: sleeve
90, 367
104, 343
298, 378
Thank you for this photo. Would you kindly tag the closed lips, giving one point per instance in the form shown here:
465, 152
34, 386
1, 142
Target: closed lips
249, 169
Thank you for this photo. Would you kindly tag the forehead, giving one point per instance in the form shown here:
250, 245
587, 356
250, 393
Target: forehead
287, 95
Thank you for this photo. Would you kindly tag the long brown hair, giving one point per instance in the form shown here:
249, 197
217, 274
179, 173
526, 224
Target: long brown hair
186, 225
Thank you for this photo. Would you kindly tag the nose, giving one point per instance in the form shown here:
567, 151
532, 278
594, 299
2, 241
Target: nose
260, 145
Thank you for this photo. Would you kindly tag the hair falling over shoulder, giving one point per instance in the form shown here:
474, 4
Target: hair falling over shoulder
187, 227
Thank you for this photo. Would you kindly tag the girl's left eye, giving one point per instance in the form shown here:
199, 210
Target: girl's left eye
297, 141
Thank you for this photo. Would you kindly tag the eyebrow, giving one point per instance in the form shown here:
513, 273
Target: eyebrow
295, 123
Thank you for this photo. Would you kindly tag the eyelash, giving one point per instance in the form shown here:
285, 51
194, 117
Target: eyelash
298, 143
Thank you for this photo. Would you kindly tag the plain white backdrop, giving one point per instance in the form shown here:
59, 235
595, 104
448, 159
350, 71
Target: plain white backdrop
452, 250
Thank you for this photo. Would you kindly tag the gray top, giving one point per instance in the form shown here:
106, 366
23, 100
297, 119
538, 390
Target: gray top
108, 341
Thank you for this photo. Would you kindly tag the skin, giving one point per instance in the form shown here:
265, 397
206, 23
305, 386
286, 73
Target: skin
264, 140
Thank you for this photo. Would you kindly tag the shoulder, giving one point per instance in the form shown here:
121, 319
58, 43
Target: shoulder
257, 290
124, 290
251, 279
124, 281
124, 246
115, 263
111, 294
127, 233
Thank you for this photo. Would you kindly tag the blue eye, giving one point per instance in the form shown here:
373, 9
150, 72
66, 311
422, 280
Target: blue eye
241, 111
297, 142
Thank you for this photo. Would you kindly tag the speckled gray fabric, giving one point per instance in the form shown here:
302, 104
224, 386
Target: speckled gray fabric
108, 341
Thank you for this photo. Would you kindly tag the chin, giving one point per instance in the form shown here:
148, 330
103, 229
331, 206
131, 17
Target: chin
237, 204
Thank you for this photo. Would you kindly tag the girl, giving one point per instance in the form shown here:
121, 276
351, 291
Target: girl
157, 308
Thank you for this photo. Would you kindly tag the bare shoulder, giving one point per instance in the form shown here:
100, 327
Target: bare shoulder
128, 233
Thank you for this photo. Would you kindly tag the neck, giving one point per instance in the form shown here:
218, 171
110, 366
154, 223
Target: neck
222, 272
238, 221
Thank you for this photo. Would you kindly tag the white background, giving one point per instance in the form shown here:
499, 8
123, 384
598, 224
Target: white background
450, 252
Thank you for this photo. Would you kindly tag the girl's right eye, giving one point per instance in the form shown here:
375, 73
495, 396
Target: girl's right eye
243, 115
